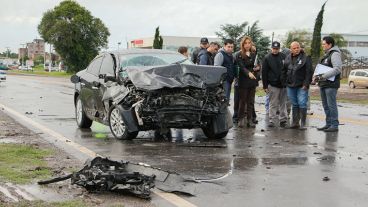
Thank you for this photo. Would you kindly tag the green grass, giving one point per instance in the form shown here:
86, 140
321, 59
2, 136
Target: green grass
344, 81
22, 163
260, 92
72, 203
39, 70
342, 100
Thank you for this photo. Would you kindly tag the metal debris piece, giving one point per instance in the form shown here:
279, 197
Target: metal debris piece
102, 174
326, 179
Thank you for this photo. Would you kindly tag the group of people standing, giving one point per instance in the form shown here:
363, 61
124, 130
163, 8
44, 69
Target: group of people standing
286, 76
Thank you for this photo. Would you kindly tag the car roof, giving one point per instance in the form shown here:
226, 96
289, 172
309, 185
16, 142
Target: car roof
141, 51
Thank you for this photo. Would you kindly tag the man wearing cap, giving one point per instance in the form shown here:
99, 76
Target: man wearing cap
274, 86
203, 46
297, 72
206, 57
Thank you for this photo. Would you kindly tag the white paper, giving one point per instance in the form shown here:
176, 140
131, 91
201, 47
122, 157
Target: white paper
321, 69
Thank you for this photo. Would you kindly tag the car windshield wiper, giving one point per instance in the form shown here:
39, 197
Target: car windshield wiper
180, 61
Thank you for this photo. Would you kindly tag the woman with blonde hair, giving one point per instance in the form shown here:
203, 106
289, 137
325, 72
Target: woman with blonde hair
246, 61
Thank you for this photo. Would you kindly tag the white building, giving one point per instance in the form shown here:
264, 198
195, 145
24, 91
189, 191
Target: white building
357, 44
170, 42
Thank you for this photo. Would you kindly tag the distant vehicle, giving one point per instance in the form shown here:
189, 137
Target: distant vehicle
358, 78
25, 67
138, 90
3, 67
2, 76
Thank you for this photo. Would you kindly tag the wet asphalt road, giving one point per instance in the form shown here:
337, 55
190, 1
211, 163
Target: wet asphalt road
266, 167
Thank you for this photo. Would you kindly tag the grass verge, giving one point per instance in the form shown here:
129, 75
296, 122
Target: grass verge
22, 163
39, 70
342, 100
72, 203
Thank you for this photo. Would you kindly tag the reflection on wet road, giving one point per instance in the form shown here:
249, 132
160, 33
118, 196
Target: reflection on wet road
263, 167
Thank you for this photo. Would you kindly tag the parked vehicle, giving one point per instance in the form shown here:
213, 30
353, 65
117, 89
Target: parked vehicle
2, 76
358, 78
138, 90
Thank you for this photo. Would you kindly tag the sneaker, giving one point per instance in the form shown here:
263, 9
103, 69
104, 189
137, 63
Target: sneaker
283, 124
331, 129
323, 128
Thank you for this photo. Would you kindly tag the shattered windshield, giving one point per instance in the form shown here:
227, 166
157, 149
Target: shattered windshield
152, 59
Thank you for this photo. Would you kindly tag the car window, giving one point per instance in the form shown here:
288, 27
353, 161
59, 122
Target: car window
359, 73
151, 59
364, 74
107, 67
352, 73
94, 66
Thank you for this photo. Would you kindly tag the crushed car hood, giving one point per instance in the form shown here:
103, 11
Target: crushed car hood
176, 76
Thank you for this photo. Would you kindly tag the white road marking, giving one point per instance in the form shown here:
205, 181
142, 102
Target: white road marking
24, 195
6, 192
170, 197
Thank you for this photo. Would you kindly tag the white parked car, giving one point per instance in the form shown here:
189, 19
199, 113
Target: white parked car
2, 75
358, 78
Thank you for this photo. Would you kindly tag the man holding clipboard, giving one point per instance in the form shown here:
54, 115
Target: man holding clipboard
327, 75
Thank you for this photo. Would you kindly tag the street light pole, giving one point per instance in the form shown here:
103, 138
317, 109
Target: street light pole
119, 44
22, 62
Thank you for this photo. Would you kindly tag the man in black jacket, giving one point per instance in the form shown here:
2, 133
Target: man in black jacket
297, 72
206, 57
274, 86
203, 46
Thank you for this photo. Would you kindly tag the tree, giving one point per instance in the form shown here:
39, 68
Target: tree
341, 43
158, 41
236, 32
262, 42
316, 41
39, 59
76, 35
300, 35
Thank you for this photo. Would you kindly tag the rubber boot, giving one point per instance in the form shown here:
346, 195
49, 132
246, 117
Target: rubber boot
296, 118
303, 118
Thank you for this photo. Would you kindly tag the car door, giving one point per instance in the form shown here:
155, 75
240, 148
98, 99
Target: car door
365, 79
107, 70
359, 76
88, 86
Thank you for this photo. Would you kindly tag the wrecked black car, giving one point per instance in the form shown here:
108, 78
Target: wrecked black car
142, 89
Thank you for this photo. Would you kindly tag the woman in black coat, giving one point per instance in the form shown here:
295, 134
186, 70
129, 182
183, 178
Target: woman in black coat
245, 60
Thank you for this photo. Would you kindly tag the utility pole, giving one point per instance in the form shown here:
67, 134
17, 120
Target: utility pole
7, 52
272, 37
22, 62
119, 43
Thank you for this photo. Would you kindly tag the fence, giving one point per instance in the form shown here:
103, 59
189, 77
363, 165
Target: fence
350, 64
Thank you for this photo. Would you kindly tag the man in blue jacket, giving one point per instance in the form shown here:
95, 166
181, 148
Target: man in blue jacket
225, 58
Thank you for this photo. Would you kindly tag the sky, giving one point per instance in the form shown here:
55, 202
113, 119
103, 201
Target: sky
133, 19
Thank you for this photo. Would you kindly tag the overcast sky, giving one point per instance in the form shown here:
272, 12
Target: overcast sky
131, 19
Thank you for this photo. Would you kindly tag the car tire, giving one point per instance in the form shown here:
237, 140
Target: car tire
209, 132
82, 120
117, 125
352, 85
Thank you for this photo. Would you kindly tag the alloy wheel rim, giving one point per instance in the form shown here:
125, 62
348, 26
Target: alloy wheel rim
117, 123
79, 111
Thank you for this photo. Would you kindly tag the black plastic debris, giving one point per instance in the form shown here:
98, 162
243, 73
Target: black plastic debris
102, 174
326, 179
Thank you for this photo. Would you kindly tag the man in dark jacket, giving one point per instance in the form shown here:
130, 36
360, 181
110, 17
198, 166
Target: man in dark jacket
203, 46
328, 88
297, 72
273, 85
206, 57
225, 58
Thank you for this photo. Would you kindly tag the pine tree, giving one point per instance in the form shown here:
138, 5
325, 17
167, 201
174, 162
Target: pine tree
316, 41
158, 41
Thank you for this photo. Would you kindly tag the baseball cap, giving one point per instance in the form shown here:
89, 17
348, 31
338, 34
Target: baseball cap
204, 40
276, 44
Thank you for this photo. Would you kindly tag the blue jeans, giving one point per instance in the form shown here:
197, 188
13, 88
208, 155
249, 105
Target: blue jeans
228, 89
267, 103
328, 96
298, 97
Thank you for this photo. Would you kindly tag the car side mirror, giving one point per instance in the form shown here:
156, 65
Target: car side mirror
75, 79
107, 78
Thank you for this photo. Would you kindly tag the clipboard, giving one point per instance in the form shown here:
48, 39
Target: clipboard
321, 69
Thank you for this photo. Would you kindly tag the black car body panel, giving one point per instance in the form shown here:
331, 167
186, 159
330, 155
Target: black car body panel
175, 76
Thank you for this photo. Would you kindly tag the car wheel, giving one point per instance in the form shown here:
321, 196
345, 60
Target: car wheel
351, 84
209, 131
82, 120
118, 126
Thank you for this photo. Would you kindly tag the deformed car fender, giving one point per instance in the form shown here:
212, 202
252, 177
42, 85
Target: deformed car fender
129, 118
